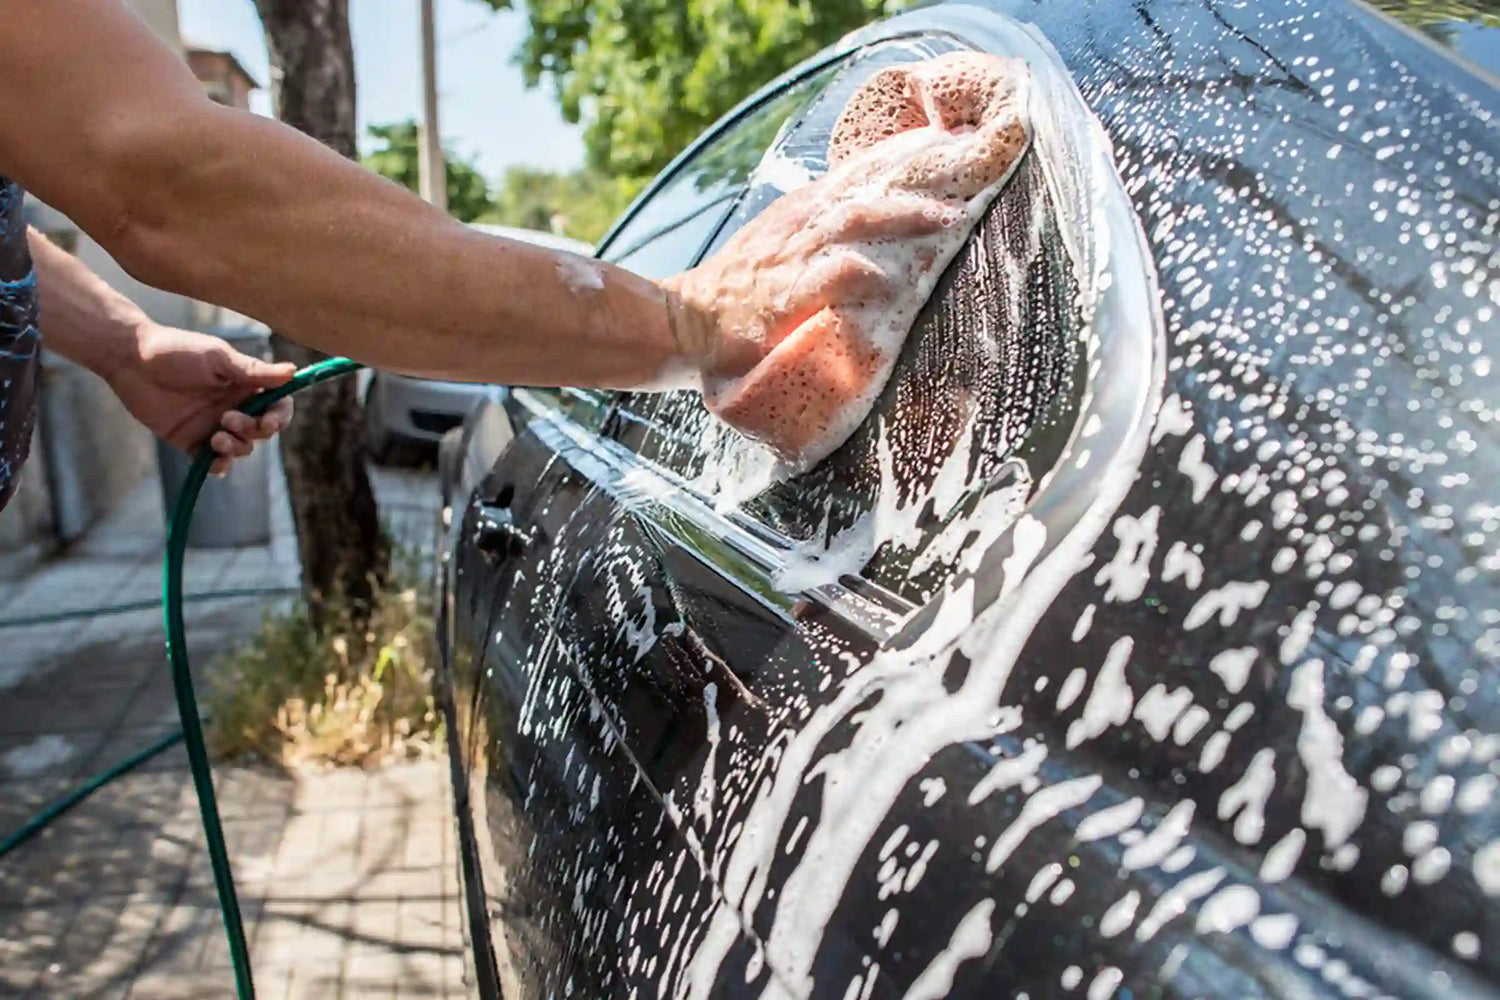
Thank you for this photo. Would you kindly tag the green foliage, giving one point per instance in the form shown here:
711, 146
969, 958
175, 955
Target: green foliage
1424, 13
468, 192
646, 76
583, 202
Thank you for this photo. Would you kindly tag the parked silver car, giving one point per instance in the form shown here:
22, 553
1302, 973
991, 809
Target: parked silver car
401, 410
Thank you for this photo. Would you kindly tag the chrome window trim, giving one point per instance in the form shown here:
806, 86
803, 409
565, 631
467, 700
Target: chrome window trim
1125, 353
739, 549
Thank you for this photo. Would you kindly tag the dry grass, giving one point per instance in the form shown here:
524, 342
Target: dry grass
293, 697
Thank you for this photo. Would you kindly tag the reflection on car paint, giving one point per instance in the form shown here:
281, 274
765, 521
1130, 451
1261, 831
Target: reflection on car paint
1216, 712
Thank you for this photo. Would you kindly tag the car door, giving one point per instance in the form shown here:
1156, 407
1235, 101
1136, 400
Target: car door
769, 612
692, 639
1052, 679
556, 811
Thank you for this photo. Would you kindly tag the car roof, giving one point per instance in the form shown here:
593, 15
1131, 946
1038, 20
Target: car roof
552, 241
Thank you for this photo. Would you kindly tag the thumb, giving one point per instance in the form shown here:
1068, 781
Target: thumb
253, 373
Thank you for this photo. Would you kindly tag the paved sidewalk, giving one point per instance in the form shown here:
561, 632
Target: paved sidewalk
346, 879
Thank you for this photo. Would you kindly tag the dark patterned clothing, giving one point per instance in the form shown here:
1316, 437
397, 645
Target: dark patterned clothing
20, 344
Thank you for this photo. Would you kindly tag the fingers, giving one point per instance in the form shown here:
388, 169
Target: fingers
838, 278
897, 216
227, 445
239, 433
278, 417
268, 425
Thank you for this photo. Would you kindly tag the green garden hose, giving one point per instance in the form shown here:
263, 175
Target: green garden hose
191, 733
182, 678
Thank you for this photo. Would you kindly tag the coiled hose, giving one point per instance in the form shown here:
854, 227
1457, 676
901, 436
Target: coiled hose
182, 683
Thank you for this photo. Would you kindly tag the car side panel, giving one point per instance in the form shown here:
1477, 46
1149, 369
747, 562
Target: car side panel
576, 849
1299, 581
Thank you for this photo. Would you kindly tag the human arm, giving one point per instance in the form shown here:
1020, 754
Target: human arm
104, 122
180, 384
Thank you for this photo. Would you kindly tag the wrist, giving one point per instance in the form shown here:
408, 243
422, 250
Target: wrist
702, 341
692, 334
120, 348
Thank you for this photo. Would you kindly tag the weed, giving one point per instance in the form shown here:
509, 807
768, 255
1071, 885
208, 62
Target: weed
299, 697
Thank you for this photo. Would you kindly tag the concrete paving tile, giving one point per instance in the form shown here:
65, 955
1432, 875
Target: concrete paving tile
21, 799
334, 790
68, 709
337, 899
68, 585
141, 626
27, 939
102, 949
425, 846
421, 923
171, 984
122, 742
422, 974
28, 653
28, 756
246, 792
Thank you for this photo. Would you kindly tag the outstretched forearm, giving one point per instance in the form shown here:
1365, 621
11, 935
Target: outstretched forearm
241, 211
86, 320
340, 259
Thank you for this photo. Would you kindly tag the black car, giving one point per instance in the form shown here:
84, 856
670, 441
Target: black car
1141, 643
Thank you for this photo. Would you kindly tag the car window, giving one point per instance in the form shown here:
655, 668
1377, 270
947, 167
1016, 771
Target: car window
666, 234
979, 406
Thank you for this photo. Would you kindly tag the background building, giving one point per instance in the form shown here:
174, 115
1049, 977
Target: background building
88, 454
222, 76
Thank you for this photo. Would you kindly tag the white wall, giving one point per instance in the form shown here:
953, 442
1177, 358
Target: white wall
162, 16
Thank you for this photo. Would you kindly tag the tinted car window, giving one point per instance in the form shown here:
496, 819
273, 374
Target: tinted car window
666, 234
978, 407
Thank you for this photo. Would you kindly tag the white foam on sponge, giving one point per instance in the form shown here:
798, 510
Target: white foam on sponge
817, 385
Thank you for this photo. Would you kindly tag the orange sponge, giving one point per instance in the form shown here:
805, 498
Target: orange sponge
799, 388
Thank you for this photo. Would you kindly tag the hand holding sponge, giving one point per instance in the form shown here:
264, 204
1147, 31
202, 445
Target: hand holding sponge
812, 300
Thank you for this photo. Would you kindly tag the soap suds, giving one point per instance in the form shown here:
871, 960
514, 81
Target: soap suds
1162, 840
1175, 901
581, 275
970, 939
1109, 822
896, 709
1333, 800
819, 379
1118, 918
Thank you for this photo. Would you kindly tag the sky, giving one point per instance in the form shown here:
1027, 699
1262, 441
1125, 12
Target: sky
484, 108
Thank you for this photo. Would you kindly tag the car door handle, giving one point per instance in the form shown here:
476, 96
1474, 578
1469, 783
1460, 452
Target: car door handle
496, 534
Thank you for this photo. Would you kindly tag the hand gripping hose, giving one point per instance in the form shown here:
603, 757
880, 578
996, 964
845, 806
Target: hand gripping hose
182, 682
182, 678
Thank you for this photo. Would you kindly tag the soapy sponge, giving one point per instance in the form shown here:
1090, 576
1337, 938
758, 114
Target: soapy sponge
917, 156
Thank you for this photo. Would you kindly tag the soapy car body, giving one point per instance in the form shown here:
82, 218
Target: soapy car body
1140, 642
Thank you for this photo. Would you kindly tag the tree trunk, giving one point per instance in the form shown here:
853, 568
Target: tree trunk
343, 549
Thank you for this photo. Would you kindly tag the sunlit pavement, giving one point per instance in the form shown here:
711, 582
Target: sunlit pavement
346, 878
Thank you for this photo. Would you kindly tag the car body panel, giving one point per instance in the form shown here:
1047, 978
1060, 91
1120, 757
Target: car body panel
1215, 716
